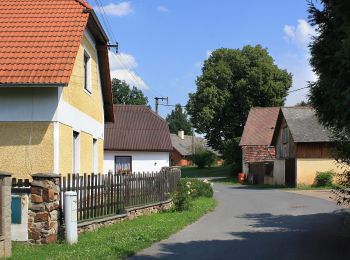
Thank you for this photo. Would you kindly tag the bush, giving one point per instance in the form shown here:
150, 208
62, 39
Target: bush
188, 189
203, 158
324, 179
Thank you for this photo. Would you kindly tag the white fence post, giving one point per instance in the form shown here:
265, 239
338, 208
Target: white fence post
70, 216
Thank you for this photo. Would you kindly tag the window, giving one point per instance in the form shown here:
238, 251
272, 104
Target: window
123, 164
87, 72
76, 152
94, 156
285, 135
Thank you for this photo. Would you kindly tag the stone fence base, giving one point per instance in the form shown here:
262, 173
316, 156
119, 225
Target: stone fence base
130, 213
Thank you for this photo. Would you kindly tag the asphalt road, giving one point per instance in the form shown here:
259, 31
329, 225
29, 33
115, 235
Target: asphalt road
260, 224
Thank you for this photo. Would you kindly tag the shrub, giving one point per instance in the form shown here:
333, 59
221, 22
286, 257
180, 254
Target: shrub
188, 189
324, 179
199, 188
181, 197
203, 158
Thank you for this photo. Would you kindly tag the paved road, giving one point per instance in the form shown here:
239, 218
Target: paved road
260, 224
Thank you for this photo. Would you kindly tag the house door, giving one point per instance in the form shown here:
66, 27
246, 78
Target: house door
290, 179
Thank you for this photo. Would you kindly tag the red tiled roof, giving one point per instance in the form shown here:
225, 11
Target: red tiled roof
259, 126
137, 128
39, 40
260, 153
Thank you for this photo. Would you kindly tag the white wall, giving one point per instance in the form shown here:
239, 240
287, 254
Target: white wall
141, 161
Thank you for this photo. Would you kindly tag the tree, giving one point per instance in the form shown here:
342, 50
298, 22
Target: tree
123, 94
178, 120
233, 81
329, 94
302, 104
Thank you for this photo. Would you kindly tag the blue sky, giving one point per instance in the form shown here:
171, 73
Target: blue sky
163, 43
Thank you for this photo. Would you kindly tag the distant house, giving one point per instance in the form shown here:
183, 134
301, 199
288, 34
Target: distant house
137, 141
302, 147
55, 88
258, 154
182, 148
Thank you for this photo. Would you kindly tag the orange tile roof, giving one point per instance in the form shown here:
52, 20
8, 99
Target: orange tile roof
39, 40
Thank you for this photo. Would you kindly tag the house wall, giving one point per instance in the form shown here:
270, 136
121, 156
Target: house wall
285, 150
178, 160
306, 169
46, 144
26, 148
74, 94
141, 161
313, 150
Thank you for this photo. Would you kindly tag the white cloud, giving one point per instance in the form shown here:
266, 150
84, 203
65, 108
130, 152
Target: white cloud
162, 9
209, 52
121, 61
120, 9
299, 35
122, 66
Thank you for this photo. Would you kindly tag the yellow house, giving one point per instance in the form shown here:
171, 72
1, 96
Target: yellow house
55, 88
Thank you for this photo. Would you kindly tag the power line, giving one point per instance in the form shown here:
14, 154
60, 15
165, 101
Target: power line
295, 90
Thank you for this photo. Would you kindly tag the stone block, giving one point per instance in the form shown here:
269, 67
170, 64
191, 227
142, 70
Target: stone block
37, 191
36, 199
41, 217
49, 195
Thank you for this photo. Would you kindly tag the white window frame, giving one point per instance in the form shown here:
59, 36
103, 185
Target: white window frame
95, 155
87, 73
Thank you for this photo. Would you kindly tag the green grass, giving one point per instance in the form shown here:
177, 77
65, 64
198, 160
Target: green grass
226, 180
214, 171
120, 240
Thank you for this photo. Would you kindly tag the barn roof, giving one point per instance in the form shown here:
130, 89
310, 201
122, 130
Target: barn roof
137, 128
259, 126
304, 125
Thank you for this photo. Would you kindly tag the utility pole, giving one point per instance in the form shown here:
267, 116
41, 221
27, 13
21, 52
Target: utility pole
157, 102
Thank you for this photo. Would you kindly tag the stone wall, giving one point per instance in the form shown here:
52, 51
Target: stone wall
5, 215
129, 214
43, 220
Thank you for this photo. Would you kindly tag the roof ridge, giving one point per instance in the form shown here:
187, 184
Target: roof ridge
85, 4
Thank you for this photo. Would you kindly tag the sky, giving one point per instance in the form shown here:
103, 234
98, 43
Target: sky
163, 43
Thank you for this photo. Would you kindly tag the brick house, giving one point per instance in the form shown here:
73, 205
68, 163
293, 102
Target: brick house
257, 152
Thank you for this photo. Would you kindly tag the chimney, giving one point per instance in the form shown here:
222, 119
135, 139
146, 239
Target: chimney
181, 134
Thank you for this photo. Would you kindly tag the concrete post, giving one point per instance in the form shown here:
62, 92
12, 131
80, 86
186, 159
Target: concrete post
5, 215
71, 216
43, 221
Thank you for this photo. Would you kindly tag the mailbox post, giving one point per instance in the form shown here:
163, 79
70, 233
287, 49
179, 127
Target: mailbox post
70, 216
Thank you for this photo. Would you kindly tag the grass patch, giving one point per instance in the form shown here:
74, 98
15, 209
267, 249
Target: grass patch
120, 240
214, 171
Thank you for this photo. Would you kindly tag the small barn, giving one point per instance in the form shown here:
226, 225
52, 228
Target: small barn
137, 141
303, 147
258, 154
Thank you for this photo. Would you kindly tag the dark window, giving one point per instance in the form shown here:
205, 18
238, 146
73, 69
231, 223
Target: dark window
87, 72
123, 164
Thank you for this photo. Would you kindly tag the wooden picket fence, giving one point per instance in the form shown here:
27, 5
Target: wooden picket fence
108, 194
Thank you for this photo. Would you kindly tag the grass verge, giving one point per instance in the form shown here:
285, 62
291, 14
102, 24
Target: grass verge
214, 171
120, 240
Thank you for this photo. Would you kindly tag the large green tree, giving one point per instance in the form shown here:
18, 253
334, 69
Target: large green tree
233, 81
178, 120
330, 93
124, 94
